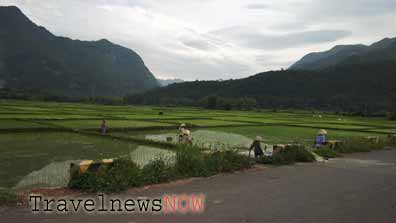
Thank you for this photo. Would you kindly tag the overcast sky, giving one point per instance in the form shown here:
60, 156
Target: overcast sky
217, 39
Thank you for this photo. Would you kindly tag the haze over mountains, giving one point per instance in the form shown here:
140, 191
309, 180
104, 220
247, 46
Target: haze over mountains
33, 59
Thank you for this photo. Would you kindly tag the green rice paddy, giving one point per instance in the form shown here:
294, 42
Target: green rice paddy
38, 140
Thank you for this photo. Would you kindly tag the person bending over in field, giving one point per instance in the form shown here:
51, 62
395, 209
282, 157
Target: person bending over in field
103, 127
184, 135
256, 147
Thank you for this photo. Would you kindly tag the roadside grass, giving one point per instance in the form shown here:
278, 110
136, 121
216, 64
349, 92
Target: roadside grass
356, 145
289, 155
8, 197
190, 162
326, 152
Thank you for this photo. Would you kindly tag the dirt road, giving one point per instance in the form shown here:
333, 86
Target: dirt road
356, 188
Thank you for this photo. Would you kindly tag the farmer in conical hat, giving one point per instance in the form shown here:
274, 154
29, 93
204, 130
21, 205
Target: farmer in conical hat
184, 134
320, 139
256, 146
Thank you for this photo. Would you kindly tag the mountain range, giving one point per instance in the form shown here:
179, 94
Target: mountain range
352, 78
379, 51
33, 59
346, 77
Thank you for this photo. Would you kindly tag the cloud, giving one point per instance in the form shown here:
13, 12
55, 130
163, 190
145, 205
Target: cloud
253, 38
213, 39
353, 8
199, 41
257, 6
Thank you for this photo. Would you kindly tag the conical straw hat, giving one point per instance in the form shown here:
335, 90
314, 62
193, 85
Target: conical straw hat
322, 132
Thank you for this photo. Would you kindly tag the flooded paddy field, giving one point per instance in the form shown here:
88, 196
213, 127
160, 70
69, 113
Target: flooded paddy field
43, 159
39, 140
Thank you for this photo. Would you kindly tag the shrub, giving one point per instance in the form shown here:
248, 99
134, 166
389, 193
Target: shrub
390, 140
296, 154
190, 163
326, 152
118, 176
7, 197
122, 174
156, 172
234, 161
354, 145
213, 162
289, 155
225, 161
86, 182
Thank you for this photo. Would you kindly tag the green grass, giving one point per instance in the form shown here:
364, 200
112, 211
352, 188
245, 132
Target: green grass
284, 135
35, 150
7, 197
205, 122
16, 124
189, 162
23, 153
95, 124
326, 152
289, 155
387, 131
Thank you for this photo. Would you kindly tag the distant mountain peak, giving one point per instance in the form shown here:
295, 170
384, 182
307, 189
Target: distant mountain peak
105, 41
11, 8
12, 12
384, 43
342, 53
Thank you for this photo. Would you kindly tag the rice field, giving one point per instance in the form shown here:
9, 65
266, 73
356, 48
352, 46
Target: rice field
39, 140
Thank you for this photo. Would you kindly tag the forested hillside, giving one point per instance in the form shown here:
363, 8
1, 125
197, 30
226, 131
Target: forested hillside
34, 60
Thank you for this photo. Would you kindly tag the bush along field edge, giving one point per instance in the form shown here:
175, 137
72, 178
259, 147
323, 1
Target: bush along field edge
191, 161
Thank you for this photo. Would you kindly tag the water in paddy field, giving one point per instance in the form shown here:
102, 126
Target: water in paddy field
209, 139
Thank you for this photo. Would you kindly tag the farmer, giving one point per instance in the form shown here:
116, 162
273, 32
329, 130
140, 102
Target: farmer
256, 145
320, 139
184, 135
103, 127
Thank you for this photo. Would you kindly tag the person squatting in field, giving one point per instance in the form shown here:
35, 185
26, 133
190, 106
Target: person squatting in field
320, 139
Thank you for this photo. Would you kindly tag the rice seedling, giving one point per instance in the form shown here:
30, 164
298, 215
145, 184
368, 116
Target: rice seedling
143, 155
56, 174
208, 139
